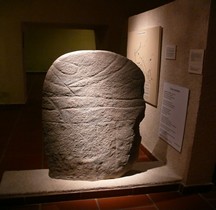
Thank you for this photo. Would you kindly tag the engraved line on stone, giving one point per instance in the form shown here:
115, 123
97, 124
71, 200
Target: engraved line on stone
78, 123
98, 73
92, 80
65, 85
130, 100
99, 76
59, 62
55, 107
95, 106
49, 91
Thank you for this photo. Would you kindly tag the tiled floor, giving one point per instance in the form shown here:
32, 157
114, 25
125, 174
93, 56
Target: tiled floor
21, 148
156, 201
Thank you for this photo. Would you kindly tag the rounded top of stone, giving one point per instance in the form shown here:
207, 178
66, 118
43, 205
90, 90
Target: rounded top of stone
95, 73
80, 52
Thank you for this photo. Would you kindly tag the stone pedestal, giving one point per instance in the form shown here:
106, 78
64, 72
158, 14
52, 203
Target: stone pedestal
92, 106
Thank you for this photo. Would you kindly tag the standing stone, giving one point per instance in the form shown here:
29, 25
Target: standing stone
92, 107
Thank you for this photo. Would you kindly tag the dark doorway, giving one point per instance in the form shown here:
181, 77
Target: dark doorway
42, 45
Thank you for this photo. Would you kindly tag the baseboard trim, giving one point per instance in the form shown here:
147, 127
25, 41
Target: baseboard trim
189, 189
57, 197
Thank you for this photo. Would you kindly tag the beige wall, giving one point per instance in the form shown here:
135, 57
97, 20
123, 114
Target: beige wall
185, 24
203, 158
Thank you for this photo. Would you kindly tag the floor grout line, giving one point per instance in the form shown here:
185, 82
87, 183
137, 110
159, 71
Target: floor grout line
206, 200
97, 203
154, 204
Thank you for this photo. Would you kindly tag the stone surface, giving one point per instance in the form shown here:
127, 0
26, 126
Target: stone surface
92, 106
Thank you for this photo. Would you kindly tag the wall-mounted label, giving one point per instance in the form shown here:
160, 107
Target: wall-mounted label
170, 52
173, 114
196, 61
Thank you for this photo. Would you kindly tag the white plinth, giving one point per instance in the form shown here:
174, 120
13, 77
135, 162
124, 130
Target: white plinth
38, 182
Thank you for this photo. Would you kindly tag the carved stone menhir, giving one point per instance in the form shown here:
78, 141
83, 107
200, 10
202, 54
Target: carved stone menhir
92, 107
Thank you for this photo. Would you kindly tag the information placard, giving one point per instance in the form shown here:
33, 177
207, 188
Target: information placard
144, 49
196, 61
173, 114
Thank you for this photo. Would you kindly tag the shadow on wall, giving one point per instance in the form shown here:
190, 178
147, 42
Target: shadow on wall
160, 150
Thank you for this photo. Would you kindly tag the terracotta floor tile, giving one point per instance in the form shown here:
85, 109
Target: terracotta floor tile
145, 155
124, 202
177, 201
142, 156
210, 197
210, 194
212, 202
143, 208
49, 207
72, 205
25, 207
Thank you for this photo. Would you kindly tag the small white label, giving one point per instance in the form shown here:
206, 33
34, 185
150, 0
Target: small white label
171, 52
196, 61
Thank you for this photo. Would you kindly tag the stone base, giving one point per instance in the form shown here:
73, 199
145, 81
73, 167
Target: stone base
38, 182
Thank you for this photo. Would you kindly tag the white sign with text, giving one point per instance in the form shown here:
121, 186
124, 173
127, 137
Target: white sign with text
173, 114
